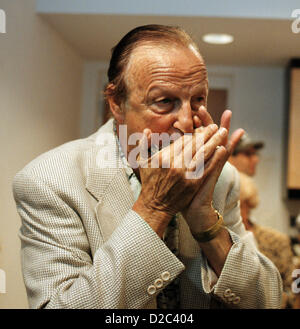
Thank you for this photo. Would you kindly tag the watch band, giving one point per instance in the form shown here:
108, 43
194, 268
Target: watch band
210, 233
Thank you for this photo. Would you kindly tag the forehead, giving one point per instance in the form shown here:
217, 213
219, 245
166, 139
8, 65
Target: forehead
176, 65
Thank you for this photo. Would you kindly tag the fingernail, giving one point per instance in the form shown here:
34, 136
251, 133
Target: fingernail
223, 132
213, 126
202, 108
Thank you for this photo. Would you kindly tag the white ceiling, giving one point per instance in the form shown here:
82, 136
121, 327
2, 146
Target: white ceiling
257, 41
278, 9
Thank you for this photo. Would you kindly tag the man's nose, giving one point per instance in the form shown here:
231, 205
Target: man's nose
184, 120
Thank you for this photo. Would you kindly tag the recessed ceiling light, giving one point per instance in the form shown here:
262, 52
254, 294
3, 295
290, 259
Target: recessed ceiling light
217, 38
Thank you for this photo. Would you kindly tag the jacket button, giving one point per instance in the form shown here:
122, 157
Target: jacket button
231, 297
166, 276
227, 293
236, 300
158, 283
151, 290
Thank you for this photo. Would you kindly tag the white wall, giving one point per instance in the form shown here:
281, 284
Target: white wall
94, 79
40, 95
256, 99
259, 107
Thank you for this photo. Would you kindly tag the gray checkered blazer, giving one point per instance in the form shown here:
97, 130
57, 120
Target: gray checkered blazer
84, 247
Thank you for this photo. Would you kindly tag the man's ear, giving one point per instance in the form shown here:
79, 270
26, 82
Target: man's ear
115, 104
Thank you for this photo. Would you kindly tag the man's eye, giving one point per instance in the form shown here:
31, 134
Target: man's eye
164, 104
164, 101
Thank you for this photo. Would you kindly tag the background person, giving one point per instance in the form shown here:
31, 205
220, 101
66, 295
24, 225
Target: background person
272, 243
245, 156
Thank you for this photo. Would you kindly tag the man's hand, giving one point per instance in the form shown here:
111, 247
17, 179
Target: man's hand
199, 214
166, 191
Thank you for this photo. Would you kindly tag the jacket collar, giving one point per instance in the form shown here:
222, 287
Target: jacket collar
107, 180
103, 161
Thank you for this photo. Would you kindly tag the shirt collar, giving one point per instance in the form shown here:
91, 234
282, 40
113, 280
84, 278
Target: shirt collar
129, 171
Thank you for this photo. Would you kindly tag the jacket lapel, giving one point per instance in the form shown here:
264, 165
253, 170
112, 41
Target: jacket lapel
107, 181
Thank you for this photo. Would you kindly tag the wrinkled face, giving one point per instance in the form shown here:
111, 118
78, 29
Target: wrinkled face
166, 88
246, 162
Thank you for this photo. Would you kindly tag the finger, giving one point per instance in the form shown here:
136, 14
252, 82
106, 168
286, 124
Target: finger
235, 137
204, 116
205, 153
197, 122
196, 143
147, 133
188, 142
216, 140
225, 123
144, 144
215, 167
222, 157
226, 119
202, 135
203, 150
212, 167
216, 164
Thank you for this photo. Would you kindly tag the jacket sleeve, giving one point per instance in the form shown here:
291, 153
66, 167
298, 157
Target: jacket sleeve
58, 267
248, 278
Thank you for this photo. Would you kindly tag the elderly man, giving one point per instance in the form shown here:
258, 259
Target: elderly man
100, 232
